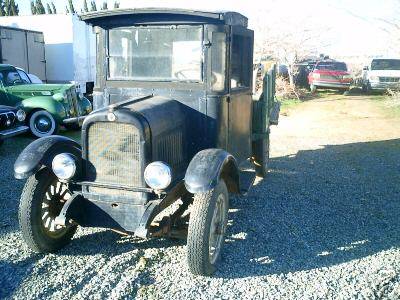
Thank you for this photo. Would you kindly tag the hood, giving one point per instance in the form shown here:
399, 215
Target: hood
384, 73
37, 89
5, 108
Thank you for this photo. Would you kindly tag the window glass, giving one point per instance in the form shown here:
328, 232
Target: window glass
332, 66
241, 62
24, 77
385, 64
156, 53
10, 77
218, 63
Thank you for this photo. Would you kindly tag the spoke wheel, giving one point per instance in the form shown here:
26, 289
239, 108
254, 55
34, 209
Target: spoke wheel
53, 201
41, 201
217, 230
206, 233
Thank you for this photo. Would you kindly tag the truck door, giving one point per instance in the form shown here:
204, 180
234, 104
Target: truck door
36, 55
240, 89
13, 47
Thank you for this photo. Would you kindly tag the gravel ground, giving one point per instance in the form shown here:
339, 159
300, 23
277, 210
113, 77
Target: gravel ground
323, 225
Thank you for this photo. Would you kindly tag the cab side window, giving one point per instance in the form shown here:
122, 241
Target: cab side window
241, 61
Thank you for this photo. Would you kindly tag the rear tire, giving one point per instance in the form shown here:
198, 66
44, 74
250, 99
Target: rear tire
206, 233
41, 201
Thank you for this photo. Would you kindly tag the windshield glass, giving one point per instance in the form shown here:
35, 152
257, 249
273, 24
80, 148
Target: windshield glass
10, 77
333, 66
156, 53
385, 64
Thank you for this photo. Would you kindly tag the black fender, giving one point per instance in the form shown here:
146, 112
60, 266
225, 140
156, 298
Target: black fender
206, 169
41, 152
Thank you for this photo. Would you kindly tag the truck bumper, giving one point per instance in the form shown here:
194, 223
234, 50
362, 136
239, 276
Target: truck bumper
385, 85
75, 120
333, 85
13, 132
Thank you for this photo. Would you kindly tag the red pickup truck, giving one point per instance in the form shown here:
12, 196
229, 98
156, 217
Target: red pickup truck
329, 75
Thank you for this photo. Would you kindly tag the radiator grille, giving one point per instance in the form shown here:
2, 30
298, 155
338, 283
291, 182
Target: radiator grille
329, 77
389, 79
114, 156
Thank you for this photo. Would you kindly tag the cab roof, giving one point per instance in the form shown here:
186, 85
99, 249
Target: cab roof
6, 67
143, 16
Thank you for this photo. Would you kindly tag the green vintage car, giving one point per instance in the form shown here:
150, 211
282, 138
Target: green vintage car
47, 106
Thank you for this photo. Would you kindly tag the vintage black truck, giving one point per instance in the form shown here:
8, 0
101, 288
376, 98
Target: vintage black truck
174, 119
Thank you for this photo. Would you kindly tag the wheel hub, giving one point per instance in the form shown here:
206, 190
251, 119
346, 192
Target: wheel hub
53, 201
43, 124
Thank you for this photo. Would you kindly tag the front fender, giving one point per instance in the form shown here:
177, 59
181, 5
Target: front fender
86, 106
54, 107
206, 169
41, 152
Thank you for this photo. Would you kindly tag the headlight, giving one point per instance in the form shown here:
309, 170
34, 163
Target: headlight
158, 175
21, 115
64, 166
374, 78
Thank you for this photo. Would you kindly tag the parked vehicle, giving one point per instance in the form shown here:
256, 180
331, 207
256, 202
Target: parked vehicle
329, 74
23, 48
47, 106
169, 127
382, 74
70, 47
11, 122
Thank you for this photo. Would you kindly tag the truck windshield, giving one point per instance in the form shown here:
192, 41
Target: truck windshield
385, 64
333, 66
155, 53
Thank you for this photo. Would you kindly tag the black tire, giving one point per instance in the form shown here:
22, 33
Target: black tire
34, 221
261, 156
198, 240
42, 123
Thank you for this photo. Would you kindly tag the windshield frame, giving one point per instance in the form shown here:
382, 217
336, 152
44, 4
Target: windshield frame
168, 27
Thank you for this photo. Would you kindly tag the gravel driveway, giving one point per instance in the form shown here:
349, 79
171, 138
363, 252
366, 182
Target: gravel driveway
325, 224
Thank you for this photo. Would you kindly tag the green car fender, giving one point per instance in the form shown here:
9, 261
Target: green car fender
86, 106
46, 103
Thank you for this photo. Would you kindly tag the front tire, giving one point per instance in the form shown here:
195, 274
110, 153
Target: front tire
41, 201
42, 123
206, 233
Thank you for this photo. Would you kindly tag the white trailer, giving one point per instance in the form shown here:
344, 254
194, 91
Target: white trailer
70, 47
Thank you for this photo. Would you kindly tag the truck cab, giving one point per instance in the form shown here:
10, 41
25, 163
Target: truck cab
174, 119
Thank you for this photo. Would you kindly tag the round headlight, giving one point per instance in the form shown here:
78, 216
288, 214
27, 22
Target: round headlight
64, 166
21, 115
158, 175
